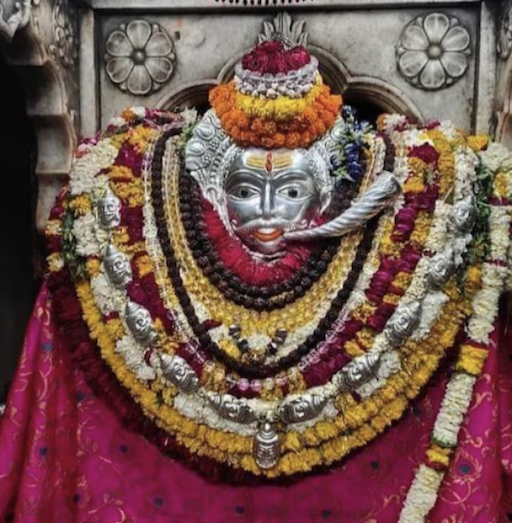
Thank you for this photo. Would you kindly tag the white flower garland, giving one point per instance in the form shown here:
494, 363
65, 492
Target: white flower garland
82, 178
455, 404
422, 495
423, 492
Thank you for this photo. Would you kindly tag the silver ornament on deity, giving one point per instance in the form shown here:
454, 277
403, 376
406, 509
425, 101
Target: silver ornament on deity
179, 373
109, 210
139, 322
380, 194
403, 322
266, 446
441, 267
302, 408
359, 371
231, 408
464, 214
118, 268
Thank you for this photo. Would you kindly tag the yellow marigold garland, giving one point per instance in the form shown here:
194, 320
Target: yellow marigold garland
300, 130
280, 108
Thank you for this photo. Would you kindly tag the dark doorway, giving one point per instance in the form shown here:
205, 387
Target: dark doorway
18, 284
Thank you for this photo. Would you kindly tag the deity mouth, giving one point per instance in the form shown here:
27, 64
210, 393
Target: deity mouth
267, 234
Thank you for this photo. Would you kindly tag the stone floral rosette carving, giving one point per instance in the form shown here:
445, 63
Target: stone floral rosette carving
139, 57
433, 51
504, 44
65, 46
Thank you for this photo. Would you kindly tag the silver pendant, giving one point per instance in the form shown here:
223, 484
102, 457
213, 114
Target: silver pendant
231, 408
403, 323
302, 408
109, 210
359, 371
139, 322
441, 268
266, 447
118, 268
464, 214
179, 373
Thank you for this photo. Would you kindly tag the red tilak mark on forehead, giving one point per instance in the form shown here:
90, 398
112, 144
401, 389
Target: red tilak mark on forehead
269, 163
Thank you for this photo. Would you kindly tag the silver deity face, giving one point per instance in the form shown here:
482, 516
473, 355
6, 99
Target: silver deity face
269, 193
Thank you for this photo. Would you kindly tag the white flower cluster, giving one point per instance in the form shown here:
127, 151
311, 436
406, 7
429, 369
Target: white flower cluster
294, 84
422, 495
86, 230
108, 298
85, 169
485, 303
497, 157
455, 404
133, 357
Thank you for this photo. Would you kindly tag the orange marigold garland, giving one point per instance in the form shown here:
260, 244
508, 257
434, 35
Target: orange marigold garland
301, 130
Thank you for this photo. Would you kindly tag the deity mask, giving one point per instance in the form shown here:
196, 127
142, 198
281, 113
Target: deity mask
269, 193
269, 198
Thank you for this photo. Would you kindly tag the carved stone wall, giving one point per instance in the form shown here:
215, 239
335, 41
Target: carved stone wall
41, 44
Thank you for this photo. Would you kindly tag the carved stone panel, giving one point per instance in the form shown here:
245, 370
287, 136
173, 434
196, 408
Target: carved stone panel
359, 62
139, 57
433, 51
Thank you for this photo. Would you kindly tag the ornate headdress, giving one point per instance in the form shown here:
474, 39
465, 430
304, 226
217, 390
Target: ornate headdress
277, 99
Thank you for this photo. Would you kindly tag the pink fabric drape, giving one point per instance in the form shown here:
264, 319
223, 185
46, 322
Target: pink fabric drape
64, 457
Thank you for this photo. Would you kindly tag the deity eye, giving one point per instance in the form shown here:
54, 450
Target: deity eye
244, 192
294, 192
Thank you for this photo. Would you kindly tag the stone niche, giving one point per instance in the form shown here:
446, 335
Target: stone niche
83, 61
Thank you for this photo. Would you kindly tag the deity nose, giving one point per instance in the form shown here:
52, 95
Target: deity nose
266, 202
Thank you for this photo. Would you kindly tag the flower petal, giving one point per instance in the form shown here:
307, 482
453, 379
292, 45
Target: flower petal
138, 32
118, 44
159, 45
456, 39
139, 82
414, 38
436, 25
412, 62
159, 69
433, 75
118, 69
454, 63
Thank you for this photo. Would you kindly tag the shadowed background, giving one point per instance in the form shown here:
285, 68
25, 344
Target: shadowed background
19, 249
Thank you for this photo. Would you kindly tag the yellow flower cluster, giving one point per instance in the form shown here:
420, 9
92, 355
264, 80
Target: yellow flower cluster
471, 360
280, 108
501, 184
93, 267
446, 162
120, 172
80, 205
144, 265
439, 455
55, 262
478, 142
141, 137
132, 192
